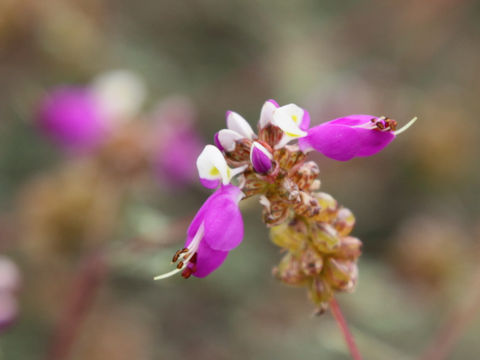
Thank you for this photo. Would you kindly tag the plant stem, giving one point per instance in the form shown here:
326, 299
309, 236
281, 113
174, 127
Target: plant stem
84, 288
342, 324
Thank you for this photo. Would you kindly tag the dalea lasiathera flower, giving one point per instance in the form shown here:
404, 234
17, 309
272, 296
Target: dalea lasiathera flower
312, 228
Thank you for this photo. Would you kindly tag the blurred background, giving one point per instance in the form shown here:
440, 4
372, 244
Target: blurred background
86, 221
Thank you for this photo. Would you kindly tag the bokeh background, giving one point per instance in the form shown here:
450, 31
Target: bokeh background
87, 232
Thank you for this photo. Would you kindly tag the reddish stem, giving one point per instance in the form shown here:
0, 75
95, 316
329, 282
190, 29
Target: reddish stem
342, 324
84, 288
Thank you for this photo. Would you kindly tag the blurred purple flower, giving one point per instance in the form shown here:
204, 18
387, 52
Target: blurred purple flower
71, 117
216, 229
352, 136
179, 143
9, 285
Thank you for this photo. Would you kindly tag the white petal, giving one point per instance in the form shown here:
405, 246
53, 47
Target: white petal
212, 165
238, 124
266, 115
288, 118
120, 93
227, 139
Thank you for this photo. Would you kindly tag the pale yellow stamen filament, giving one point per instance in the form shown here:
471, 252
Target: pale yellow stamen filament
192, 249
405, 127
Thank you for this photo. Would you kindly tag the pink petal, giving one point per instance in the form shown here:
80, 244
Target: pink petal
334, 141
208, 260
305, 123
210, 184
347, 137
223, 224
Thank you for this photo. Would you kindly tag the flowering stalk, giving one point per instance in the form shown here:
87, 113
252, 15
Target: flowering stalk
342, 324
309, 225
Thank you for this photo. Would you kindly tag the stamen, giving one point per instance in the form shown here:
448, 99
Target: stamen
187, 273
166, 275
178, 253
191, 251
405, 127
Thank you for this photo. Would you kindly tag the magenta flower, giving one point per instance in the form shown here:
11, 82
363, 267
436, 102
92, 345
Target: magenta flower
352, 136
216, 229
178, 170
260, 158
71, 117
176, 132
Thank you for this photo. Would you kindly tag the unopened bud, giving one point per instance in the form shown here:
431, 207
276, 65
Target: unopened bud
350, 248
325, 238
312, 262
328, 206
341, 274
291, 236
290, 271
261, 158
320, 292
344, 221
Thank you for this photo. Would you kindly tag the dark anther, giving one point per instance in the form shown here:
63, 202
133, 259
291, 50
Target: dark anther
180, 265
187, 273
178, 253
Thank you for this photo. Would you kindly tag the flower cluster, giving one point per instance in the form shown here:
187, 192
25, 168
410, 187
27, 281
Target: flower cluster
308, 224
104, 120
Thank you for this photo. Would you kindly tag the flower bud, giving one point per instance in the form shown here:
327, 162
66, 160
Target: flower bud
328, 206
320, 292
260, 158
325, 238
290, 271
291, 236
350, 248
341, 274
344, 221
312, 262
